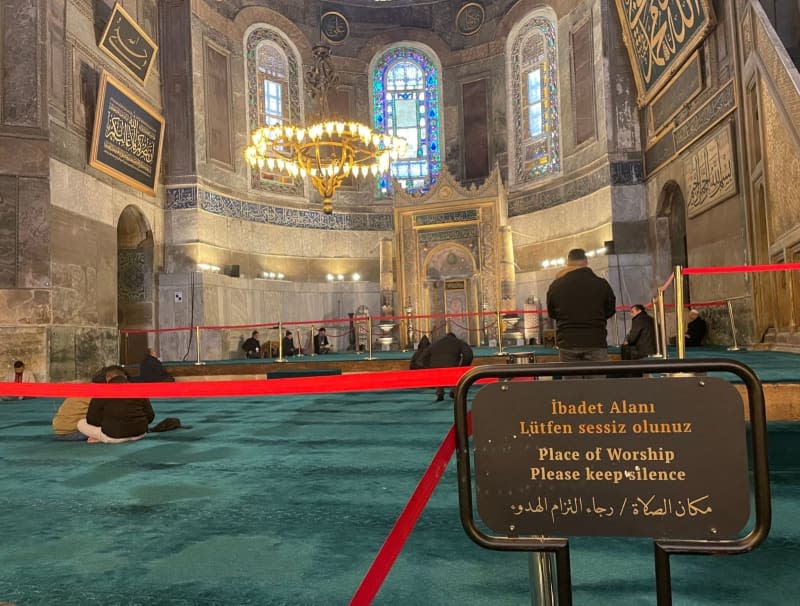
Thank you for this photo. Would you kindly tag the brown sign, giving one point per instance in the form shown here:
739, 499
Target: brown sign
660, 458
128, 44
128, 135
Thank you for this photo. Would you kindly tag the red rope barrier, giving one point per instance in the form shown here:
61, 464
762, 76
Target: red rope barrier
366, 381
735, 269
384, 560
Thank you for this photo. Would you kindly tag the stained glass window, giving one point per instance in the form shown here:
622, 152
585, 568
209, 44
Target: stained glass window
273, 96
405, 88
535, 150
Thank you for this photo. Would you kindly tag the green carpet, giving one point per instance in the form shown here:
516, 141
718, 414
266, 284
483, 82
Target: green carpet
285, 501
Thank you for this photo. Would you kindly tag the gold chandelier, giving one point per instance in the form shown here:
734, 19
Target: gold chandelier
329, 151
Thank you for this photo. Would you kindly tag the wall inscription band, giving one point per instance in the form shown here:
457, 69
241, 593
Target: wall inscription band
710, 171
127, 138
128, 44
659, 37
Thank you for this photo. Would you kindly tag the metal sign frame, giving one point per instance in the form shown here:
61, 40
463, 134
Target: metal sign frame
663, 549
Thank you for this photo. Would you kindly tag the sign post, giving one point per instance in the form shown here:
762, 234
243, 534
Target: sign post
664, 458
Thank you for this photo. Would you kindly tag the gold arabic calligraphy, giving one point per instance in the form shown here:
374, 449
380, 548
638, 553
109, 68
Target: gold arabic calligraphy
660, 29
127, 48
649, 507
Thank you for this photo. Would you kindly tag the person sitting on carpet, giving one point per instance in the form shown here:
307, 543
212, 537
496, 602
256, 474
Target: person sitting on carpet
116, 420
151, 370
446, 352
416, 361
73, 410
288, 345
19, 375
321, 343
252, 346
696, 329
641, 340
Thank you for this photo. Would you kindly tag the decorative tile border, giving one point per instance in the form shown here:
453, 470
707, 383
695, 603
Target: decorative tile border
182, 198
704, 118
447, 235
616, 173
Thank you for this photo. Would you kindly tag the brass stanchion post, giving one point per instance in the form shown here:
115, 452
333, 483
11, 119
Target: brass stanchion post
657, 328
369, 337
679, 339
499, 334
199, 362
280, 357
662, 315
313, 350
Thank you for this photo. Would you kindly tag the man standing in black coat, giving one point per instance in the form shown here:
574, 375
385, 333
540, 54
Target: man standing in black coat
580, 302
447, 352
642, 337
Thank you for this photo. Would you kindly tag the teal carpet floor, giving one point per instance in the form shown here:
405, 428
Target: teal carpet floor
285, 501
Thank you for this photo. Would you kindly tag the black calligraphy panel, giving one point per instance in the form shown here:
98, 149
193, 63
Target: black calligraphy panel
659, 35
127, 137
660, 458
128, 44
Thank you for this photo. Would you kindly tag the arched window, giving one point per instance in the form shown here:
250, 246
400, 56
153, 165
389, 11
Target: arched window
406, 92
533, 103
273, 91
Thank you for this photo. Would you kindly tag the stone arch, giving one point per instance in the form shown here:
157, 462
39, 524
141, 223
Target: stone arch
451, 286
135, 281
671, 245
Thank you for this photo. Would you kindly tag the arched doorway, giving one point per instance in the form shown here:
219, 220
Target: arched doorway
671, 244
451, 287
135, 282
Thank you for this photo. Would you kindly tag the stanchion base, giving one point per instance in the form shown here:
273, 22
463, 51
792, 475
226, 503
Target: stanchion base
736, 349
370, 358
199, 363
281, 360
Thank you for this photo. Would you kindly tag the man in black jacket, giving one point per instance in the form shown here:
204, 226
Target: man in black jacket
696, 329
116, 420
252, 346
321, 343
580, 302
642, 338
447, 352
151, 370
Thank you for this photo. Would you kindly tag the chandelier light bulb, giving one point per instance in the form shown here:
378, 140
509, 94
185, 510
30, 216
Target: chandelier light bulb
340, 277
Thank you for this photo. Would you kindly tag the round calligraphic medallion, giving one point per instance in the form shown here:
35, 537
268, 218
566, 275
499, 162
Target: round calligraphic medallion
469, 19
334, 27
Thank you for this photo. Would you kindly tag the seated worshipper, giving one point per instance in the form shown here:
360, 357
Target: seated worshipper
116, 420
19, 375
321, 344
73, 410
641, 340
288, 345
447, 352
416, 362
696, 329
252, 346
151, 370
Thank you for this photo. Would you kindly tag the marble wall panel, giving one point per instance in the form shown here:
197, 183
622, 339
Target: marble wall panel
28, 344
84, 263
76, 353
21, 55
80, 193
22, 306
8, 232
33, 237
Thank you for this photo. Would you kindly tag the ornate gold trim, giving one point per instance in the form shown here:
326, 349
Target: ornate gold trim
108, 46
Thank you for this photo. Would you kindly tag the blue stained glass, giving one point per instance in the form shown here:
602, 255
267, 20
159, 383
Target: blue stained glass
535, 119
409, 111
433, 147
534, 86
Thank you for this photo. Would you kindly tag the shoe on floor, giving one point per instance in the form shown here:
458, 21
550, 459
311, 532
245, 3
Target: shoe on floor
452, 395
440, 398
